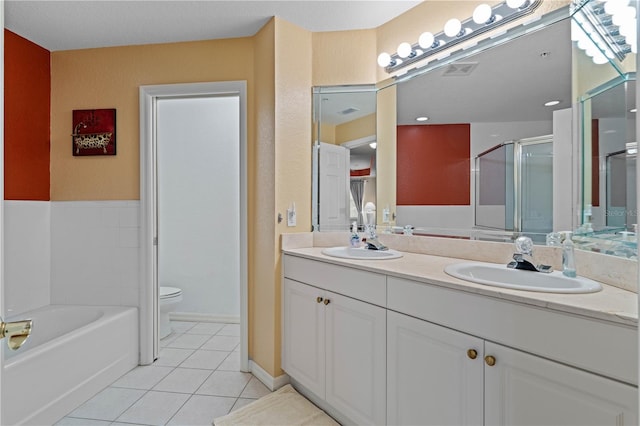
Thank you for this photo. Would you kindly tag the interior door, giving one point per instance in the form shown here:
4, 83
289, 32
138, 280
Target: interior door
333, 185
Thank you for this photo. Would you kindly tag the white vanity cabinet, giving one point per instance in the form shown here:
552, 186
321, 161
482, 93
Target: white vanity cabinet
521, 388
439, 376
335, 346
397, 351
434, 374
548, 380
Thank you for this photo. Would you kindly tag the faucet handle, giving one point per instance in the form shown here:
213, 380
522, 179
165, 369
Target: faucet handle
524, 245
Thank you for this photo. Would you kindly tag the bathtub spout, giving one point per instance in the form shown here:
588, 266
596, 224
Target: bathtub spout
16, 332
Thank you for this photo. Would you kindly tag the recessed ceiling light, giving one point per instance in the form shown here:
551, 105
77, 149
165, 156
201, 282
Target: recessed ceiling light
551, 103
422, 118
633, 110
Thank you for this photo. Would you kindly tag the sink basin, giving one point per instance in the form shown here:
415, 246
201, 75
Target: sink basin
361, 253
501, 276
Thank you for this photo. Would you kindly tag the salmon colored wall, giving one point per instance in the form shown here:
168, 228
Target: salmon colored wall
262, 330
356, 129
282, 175
110, 78
293, 69
344, 57
27, 84
437, 158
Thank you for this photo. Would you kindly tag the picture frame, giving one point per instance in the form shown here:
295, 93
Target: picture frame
94, 132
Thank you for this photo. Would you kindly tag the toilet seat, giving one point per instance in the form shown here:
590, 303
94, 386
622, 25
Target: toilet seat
169, 292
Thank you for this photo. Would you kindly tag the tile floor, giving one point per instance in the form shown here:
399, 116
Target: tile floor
195, 379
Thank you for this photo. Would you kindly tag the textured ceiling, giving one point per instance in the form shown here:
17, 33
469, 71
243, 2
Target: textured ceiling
65, 25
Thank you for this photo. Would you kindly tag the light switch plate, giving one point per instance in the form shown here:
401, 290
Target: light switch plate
291, 217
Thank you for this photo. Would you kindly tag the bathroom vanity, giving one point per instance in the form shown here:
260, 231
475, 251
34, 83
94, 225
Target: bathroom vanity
400, 342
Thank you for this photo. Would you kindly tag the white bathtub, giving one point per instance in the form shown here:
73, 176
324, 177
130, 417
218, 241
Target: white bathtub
73, 352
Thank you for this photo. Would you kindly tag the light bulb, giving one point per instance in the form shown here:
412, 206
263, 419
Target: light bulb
384, 59
612, 6
599, 59
426, 40
482, 14
624, 15
516, 4
404, 50
452, 27
628, 29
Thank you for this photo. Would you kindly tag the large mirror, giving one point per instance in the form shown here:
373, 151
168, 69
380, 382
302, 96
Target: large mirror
344, 155
607, 108
491, 160
486, 99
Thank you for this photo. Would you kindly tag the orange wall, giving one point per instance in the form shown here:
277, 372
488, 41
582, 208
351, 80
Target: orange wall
110, 78
437, 158
27, 83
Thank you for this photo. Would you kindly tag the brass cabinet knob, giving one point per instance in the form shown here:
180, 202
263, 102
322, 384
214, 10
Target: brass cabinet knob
327, 301
319, 299
472, 353
491, 361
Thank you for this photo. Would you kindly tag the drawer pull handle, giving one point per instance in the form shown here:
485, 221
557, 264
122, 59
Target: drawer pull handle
491, 361
472, 353
327, 301
319, 299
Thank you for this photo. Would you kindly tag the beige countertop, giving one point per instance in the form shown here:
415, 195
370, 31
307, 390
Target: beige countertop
612, 304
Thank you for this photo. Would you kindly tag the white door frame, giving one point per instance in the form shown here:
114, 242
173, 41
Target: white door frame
148, 207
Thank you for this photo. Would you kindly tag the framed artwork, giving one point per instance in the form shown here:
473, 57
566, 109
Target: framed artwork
94, 132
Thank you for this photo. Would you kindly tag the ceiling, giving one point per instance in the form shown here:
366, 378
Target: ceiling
510, 82
65, 25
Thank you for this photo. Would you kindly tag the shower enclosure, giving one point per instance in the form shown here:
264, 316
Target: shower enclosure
514, 186
621, 189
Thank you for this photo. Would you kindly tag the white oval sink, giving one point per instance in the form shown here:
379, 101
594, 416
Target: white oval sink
361, 253
501, 276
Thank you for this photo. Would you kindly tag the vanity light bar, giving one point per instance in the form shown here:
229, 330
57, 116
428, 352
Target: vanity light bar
484, 19
611, 25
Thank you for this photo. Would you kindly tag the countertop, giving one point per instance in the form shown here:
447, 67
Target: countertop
610, 304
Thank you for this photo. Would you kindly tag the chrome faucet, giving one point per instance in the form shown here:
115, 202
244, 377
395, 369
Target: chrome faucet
523, 258
371, 241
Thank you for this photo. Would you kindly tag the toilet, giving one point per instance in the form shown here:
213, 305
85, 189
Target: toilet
169, 298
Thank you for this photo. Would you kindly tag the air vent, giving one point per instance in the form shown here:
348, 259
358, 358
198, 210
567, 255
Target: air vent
349, 110
459, 69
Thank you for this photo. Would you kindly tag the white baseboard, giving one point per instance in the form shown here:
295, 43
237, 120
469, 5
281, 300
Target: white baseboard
197, 317
273, 383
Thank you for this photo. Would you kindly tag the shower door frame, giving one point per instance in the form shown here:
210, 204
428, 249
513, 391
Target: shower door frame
149, 304
517, 176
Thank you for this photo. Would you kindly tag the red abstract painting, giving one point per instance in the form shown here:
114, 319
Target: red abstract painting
94, 132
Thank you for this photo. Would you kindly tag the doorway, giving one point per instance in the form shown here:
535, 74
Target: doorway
180, 189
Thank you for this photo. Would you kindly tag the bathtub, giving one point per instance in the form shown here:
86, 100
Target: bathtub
73, 353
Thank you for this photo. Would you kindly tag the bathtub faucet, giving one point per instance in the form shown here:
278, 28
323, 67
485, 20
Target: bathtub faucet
16, 332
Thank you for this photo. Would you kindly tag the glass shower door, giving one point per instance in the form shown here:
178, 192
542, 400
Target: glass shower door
534, 191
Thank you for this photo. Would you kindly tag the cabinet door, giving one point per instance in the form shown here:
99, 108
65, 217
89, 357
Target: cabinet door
356, 359
523, 389
303, 353
433, 378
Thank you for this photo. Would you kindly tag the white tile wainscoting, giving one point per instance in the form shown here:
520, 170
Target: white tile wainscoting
71, 252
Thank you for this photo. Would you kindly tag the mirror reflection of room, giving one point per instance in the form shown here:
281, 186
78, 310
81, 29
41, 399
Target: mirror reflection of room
472, 163
345, 156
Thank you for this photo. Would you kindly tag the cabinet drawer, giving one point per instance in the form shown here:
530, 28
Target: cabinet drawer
598, 346
367, 286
